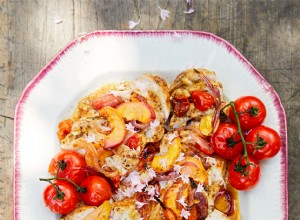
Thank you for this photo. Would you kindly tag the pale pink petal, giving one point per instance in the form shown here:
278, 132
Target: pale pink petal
81, 33
164, 14
185, 214
57, 20
171, 136
151, 173
182, 201
133, 24
176, 35
130, 127
140, 204
177, 168
191, 11
180, 158
185, 178
200, 188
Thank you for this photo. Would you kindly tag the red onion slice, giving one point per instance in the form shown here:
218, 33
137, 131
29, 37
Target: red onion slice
138, 125
202, 144
167, 176
217, 97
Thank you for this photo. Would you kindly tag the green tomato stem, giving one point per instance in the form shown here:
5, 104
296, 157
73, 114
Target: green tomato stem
236, 114
78, 188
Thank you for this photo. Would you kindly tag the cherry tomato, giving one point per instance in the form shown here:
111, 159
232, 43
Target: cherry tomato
68, 164
181, 105
238, 176
64, 128
266, 142
97, 190
61, 197
251, 110
134, 141
106, 100
226, 141
202, 100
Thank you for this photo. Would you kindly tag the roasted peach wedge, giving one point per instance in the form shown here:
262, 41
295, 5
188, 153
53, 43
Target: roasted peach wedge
116, 122
224, 202
193, 168
139, 111
165, 162
205, 126
173, 207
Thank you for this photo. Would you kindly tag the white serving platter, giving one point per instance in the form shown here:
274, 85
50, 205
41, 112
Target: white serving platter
111, 56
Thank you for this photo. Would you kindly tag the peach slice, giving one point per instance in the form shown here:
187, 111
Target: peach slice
116, 122
165, 162
193, 168
224, 202
169, 214
205, 126
171, 197
138, 111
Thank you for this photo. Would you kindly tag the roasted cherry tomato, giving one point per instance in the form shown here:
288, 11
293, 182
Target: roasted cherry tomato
181, 105
106, 100
251, 110
226, 141
97, 190
60, 197
64, 128
68, 164
241, 177
266, 142
202, 100
134, 141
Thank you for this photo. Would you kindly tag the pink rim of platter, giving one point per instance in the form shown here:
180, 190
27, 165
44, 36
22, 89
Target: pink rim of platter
168, 33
